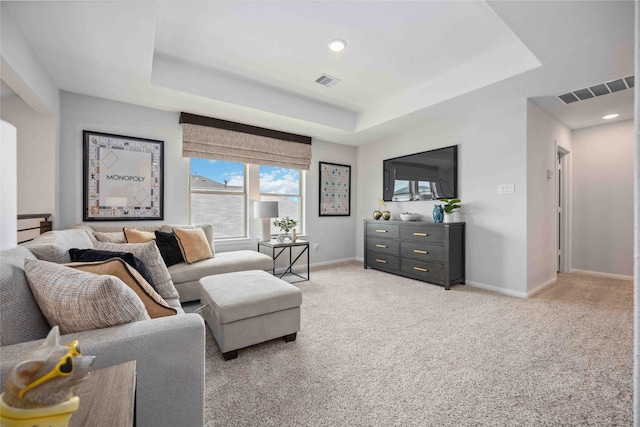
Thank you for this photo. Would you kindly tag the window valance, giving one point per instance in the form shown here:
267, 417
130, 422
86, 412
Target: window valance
216, 139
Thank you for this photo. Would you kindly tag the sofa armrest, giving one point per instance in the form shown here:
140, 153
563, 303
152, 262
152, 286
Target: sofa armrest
169, 354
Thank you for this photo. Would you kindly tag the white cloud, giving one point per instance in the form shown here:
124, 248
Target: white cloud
280, 181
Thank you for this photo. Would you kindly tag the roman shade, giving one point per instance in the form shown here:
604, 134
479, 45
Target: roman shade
215, 139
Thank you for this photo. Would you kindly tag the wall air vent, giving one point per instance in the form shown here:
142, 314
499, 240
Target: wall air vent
597, 90
327, 80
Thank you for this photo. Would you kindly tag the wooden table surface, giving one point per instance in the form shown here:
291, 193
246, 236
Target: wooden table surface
107, 397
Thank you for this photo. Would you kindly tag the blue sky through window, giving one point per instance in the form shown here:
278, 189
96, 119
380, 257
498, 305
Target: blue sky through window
273, 180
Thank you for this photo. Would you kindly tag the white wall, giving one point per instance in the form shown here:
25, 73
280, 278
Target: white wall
543, 133
335, 236
22, 70
491, 139
36, 156
8, 186
603, 175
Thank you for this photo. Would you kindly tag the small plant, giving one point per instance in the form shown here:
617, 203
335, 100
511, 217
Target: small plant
285, 224
450, 206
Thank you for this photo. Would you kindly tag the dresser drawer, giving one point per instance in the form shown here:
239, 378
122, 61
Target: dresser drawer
422, 251
424, 269
433, 234
387, 246
383, 261
390, 231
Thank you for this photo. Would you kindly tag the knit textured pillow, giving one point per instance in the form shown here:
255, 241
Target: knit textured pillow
79, 301
193, 244
150, 256
111, 236
153, 303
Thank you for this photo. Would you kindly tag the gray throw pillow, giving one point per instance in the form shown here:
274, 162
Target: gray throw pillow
150, 255
79, 301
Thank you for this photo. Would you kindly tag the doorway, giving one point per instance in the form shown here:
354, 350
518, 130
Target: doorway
563, 223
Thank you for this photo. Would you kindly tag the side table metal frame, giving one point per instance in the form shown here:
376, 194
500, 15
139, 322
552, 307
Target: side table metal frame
281, 248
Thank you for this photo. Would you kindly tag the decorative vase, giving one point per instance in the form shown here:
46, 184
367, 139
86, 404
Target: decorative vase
452, 217
54, 416
438, 213
377, 214
386, 215
294, 236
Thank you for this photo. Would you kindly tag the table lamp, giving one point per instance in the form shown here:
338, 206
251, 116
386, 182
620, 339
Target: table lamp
265, 211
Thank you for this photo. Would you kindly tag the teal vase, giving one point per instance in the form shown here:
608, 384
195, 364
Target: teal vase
438, 213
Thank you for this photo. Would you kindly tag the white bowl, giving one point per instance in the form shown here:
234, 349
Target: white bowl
409, 216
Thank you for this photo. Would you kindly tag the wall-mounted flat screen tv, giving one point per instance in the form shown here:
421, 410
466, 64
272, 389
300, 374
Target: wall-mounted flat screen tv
429, 175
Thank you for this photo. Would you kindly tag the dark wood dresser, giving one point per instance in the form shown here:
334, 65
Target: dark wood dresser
426, 251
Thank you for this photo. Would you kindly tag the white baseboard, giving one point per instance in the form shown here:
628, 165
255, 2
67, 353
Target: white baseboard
600, 274
504, 291
542, 286
335, 261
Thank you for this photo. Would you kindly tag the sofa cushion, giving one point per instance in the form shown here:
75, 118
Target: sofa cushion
89, 255
207, 228
111, 236
224, 262
153, 303
169, 248
20, 317
150, 256
78, 301
245, 294
54, 245
132, 235
193, 244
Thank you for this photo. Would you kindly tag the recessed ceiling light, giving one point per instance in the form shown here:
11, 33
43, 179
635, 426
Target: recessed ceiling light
337, 45
610, 116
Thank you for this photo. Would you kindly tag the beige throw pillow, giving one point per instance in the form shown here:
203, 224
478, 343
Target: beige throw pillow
154, 304
136, 236
149, 254
79, 301
207, 228
193, 244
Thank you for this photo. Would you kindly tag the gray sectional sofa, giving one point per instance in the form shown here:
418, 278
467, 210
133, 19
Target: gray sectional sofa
186, 276
169, 350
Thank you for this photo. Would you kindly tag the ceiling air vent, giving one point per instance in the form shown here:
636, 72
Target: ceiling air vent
327, 80
597, 90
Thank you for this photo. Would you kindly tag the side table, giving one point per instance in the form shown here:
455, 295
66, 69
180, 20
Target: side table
278, 248
107, 397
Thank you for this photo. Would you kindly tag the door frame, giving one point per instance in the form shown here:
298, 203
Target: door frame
563, 200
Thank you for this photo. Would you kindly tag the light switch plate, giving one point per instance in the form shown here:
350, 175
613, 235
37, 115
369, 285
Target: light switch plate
506, 189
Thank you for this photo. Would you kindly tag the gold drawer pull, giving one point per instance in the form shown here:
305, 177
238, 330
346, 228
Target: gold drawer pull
381, 260
421, 234
381, 231
421, 269
382, 246
418, 251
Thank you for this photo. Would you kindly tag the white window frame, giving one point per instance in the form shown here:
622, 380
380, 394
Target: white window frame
252, 193
242, 194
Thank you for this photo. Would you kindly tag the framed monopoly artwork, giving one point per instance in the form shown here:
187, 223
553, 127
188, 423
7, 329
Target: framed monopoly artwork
123, 178
335, 189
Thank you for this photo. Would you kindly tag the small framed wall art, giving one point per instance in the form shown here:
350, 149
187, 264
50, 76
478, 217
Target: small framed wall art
123, 178
335, 189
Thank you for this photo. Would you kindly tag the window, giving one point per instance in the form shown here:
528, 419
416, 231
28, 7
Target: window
219, 193
218, 196
284, 186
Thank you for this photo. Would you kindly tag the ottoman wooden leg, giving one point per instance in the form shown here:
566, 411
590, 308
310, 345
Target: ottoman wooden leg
290, 337
230, 354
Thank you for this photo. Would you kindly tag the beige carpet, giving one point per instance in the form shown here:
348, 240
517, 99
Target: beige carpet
380, 350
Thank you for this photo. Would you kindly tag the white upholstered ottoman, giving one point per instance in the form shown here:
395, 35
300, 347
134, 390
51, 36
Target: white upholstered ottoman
249, 307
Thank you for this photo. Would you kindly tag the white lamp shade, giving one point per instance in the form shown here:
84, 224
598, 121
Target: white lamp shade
265, 210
